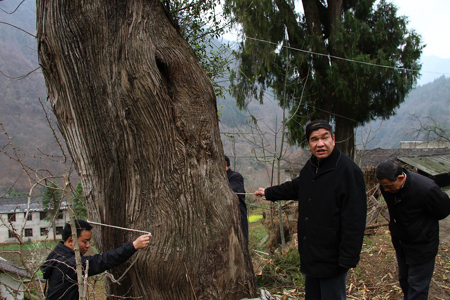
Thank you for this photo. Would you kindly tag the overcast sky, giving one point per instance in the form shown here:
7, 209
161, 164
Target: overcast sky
430, 19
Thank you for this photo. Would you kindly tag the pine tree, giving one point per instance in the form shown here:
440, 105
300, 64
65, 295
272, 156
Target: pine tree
51, 202
78, 203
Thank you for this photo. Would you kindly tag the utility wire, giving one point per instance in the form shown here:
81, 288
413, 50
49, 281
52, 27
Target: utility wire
344, 59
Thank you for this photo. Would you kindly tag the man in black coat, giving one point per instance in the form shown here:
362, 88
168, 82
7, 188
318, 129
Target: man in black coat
59, 268
416, 204
237, 185
332, 214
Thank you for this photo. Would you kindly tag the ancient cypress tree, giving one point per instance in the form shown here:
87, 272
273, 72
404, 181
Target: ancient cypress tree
139, 117
330, 52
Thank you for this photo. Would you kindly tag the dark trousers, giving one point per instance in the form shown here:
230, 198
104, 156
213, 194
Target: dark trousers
414, 279
333, 288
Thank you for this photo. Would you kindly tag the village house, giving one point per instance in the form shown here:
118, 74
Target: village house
27, 220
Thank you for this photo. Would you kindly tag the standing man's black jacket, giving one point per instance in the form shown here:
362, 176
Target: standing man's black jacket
237, 185
59, 268
331, 213
414, 213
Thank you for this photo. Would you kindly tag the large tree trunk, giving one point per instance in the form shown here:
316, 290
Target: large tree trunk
323, 20
345, 136
139, 117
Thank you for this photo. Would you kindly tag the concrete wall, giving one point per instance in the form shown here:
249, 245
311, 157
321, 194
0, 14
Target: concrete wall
10, 288
423, 145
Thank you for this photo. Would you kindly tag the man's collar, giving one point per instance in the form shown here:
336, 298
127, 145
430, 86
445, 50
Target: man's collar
333, 155
404, 181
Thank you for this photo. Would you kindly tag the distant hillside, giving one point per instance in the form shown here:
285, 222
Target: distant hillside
433, 67
21, 114
430, 100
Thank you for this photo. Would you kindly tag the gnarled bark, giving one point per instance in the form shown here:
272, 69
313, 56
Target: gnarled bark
139, 117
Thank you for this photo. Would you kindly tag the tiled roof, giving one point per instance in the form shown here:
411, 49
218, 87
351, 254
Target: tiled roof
296, 160
10, 205
432, 165
371, 158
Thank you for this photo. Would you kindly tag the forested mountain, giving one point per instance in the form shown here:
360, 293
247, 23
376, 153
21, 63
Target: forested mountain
433, 67
22, 116
424, 104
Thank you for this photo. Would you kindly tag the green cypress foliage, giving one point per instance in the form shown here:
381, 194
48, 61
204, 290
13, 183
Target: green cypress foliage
201, 26
314, 86
78, 203
51, 201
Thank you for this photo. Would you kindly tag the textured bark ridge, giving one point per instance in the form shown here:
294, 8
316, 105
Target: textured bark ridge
139, 117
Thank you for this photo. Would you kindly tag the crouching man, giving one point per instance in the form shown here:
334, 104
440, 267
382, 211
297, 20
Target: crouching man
60, 267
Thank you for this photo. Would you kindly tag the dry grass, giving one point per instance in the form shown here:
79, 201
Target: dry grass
375, 278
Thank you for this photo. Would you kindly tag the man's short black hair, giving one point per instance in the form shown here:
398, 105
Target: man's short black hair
227, 160
315, 125
81, 226
389, 169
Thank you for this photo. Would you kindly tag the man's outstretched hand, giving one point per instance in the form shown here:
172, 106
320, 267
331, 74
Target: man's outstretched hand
142, 241
260, 192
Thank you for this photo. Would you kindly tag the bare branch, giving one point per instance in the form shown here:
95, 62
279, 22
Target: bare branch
21, 76
431, 130
10, 13
18, 28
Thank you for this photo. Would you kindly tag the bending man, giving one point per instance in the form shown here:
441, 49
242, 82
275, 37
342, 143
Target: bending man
416, 204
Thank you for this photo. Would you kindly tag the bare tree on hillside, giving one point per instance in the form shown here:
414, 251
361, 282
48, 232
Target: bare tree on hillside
430, 129
139, 117
365, 134
270, 146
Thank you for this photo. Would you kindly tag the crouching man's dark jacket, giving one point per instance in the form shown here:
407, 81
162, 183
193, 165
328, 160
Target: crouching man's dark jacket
414, 214
59, 268
331, 213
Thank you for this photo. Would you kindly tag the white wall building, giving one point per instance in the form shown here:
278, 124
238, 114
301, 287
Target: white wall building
26, 217
424, 145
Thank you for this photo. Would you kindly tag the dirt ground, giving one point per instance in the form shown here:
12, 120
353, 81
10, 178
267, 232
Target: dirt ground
375, 277
444, 227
